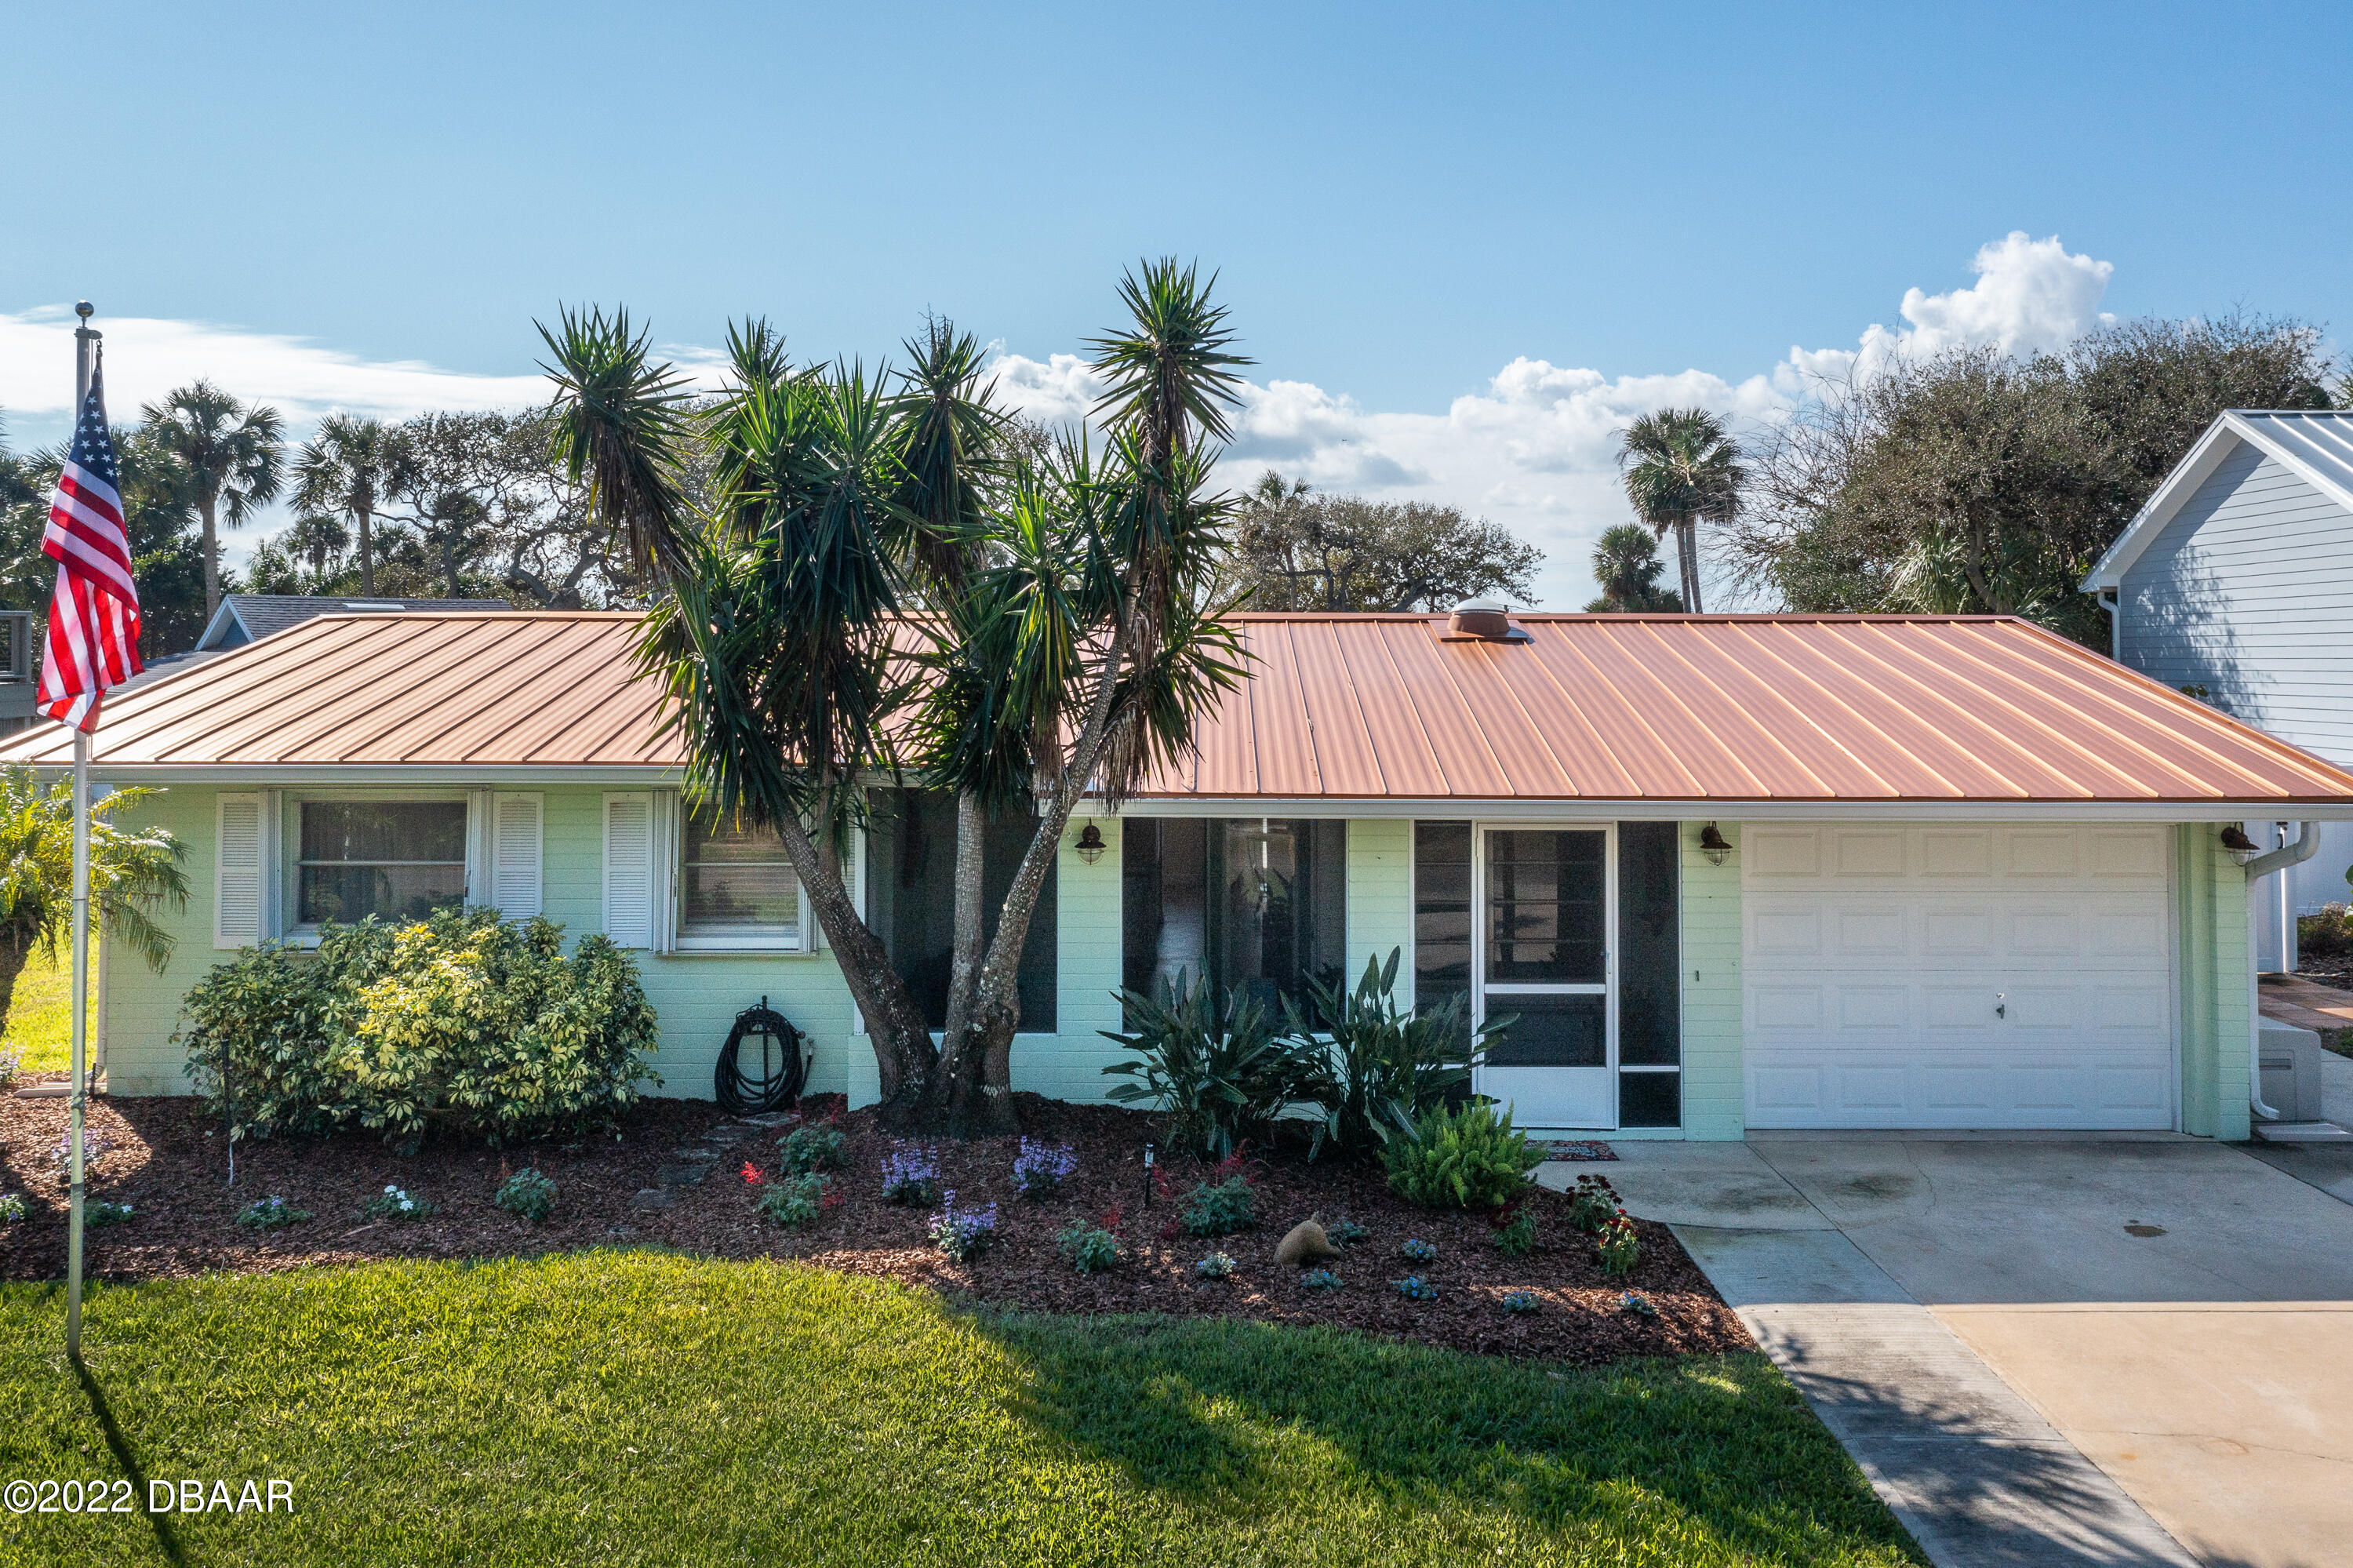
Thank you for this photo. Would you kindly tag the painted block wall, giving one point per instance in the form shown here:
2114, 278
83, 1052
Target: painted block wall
1380, 896
1715, 1097
2216, 985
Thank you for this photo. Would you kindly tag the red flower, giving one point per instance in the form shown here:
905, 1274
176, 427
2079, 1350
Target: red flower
1110, 1219
751, 1173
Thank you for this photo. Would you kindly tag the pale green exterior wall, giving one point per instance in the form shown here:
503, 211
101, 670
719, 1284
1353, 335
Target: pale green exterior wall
697, 997
1714, 1094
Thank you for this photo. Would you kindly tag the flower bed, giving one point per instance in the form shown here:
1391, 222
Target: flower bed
156, 1155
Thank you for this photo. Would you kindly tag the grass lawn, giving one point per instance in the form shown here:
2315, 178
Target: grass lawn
625, 1407
40, 1013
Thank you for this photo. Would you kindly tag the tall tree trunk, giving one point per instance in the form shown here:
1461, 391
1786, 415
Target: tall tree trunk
1687, 558
367, 557
963, 1101
903, 1041
206, 506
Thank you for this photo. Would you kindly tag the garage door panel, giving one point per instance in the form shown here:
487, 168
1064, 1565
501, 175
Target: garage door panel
1876, 957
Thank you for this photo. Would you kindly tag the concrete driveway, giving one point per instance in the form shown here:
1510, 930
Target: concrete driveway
1978, 1315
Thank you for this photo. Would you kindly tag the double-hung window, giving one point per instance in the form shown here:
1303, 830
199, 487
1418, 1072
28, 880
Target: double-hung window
397, 860
737, 889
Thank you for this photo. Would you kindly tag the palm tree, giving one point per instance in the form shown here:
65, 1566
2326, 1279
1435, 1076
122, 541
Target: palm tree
346, 472
1626, 563
131, 873
1682, 469
319, 540
229, 451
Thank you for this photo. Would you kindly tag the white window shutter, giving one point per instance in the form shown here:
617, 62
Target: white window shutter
669, 833
239, 872
630, 868
515, 838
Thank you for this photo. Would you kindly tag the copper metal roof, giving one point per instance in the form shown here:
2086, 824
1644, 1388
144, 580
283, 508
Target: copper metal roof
1584, 709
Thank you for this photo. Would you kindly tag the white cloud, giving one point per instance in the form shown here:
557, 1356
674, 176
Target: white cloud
1535, 449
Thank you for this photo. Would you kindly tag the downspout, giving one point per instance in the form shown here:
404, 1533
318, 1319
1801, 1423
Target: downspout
2306, 845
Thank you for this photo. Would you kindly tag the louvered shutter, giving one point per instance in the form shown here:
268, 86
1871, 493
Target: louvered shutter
629, 869
239, 868
515, 837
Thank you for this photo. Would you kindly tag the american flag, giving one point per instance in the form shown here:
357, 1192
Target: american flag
94, 616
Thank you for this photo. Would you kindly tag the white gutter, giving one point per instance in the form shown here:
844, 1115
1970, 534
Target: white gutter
2306, 845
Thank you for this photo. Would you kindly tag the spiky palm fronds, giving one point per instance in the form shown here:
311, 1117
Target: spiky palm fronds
621, 426
1170, 369
230, 450
131, 872
949, 439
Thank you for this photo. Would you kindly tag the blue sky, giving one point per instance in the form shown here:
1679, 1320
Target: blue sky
1405, 203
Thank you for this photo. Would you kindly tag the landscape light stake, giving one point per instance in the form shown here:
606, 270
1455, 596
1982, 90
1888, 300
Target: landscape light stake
1148, 1175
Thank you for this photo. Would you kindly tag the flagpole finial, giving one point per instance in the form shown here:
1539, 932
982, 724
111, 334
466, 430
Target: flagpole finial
84, 308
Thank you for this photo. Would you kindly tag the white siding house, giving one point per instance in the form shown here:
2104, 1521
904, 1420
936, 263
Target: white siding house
2235, 584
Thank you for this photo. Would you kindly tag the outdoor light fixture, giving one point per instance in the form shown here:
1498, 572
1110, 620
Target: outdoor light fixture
1713, 845
1091, 843
1148, 1175
2242, 848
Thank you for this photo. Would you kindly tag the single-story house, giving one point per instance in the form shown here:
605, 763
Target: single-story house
1727, 871
2234, 582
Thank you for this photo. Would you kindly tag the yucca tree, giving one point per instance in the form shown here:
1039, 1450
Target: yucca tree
882, 584
131, 874
231, 452
349, 470
1681, 468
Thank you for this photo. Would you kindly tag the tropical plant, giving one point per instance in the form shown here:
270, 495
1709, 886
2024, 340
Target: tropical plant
349, 470
1682, 469
133, 873
1380, 1066
1217, 1073
229, 453
1462, 1157
856, 532
1626, 563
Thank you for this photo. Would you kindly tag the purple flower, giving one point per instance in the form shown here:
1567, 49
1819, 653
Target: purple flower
1040, 1168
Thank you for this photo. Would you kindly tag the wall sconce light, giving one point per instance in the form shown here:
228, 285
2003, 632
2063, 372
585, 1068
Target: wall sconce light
1713, 845
1091, 843
2242, 848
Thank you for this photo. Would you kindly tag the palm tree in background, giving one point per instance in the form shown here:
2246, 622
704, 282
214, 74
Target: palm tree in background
1626, 563
1682, 469
229, 452
346, 472
319, 540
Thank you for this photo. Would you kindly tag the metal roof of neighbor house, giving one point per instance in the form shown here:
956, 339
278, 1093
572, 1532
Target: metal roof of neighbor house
1705, 709
2316, 447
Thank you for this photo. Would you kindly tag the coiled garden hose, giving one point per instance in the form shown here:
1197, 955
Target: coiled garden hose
783, 1069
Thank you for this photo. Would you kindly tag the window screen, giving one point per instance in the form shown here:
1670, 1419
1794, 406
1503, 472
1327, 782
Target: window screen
397, 859
1442, 918
1649, 979
911, 897
1256, 902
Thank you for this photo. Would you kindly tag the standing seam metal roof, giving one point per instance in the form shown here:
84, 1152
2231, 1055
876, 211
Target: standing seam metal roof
1586, 708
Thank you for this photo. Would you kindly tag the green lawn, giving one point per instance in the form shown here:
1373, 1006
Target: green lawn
631, 1407
40, 1013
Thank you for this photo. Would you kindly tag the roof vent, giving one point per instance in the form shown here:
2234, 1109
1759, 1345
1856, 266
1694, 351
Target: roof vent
1484, 619
370, 604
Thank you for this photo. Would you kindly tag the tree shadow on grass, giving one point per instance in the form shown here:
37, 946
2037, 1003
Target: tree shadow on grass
1208, 1409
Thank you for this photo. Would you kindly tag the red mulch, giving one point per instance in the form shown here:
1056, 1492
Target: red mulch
166, 1159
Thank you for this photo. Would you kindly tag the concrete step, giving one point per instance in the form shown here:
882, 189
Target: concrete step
2301, 1132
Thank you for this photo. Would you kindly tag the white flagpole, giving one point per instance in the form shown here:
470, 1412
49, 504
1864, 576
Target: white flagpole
85, 343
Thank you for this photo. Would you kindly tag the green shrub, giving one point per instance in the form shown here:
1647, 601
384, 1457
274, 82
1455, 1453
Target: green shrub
528, 1194
12, 1208
1519, 1303
1221, 1208
1516, 1235
2327, 935
395, 1203
1216, 1266
271, 1214
1091, 1248
1319, 1279
794, 1200
1380, 1066
1219, 1073
1467, 1157
461, 1020
807, 1148
99, 1213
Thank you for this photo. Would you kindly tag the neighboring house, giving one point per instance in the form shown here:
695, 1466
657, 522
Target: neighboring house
2235, 583
246, 617
1725, 871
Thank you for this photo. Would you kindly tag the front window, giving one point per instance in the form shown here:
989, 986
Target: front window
737, 885
397, 859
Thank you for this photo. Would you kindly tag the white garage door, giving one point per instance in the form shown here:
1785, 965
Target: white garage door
1958, 976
